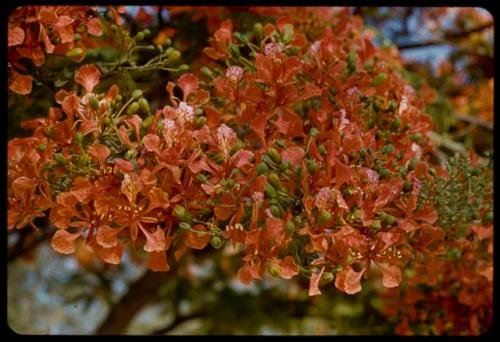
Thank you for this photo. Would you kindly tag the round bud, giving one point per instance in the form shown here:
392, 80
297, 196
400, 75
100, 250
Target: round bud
74, 52
144, 105
216, 242
181, 213
261, 168
59, 158
148, 122
137, 94
327, 277
407, 186
313, 132
290, 228
94, 103
276, 211
274, 154
324, 217
139, 37
270, 191
133, 108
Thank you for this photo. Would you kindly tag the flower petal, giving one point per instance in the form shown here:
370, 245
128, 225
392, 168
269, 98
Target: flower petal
88, 77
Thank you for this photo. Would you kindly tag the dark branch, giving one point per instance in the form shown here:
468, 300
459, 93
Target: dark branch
475, 121
177, 321
141, 292
29, 240
448, 38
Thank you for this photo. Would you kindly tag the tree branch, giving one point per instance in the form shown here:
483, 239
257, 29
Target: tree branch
29, 240
475, 121
177, 321
448, 38
140, 293
442, 141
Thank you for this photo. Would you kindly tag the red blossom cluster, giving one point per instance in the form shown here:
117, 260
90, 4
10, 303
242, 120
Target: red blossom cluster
37, 31
309, 153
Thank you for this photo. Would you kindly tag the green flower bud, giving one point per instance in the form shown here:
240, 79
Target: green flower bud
285, 165
114, 28
274, 154
387, 149
84, 160
287, 33
379, 79
174, 56
77, 37
236, 147
234, 50
274, 270
218, 158
363, 152
216, 242
327, 277
324, 217
201, 178
144, 105
137, 94
384, 173
312, 166
139, 36
133, 108
348, 190
167, 42
281, 143
185, 226
207, 72
79, 138
270, 191
388, 219
258, 30
322, 149
261, 168
274, 180
376, 225
148, 122
241, 37
201, 121
407, 186
313, 132
395, 124
276, 211
146, 32
182, 213
293, 51
74, 52
42, 147
59, 158
94, 103
290, 228
81, 28
416, 137
412, 164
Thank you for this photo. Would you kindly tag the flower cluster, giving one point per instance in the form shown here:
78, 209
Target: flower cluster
310, 152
